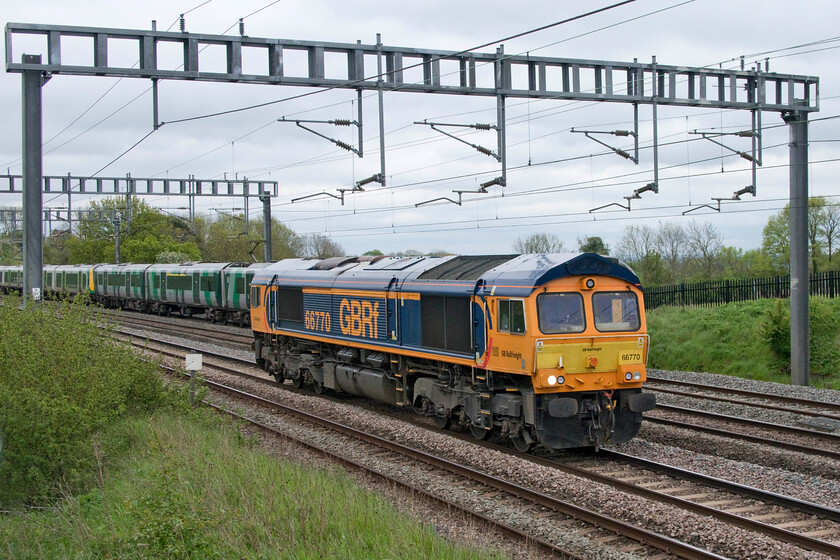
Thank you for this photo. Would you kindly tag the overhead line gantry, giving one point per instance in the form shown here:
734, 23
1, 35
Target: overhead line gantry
635, 83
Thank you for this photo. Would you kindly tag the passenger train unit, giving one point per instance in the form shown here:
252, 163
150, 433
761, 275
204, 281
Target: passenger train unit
541, 349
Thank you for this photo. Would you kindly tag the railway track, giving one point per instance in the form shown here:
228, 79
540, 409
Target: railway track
804, 407
197, 331
566, 514
715, 424
786, 519
815, 442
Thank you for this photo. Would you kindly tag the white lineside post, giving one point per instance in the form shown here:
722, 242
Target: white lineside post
193, 365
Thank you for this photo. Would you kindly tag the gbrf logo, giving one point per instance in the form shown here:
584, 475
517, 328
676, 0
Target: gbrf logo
359, 318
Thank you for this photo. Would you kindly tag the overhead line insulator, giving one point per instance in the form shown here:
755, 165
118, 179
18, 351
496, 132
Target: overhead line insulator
482, 126
344, 145
342, 122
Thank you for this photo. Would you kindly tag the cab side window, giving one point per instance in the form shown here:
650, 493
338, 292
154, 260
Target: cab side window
255, 296
512, 316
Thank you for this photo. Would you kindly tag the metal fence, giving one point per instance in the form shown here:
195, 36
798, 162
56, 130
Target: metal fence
708, 294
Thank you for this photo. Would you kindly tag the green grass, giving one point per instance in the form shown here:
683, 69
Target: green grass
733, 339
178, 485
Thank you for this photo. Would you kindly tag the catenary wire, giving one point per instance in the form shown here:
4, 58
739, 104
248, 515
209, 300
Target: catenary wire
367, 79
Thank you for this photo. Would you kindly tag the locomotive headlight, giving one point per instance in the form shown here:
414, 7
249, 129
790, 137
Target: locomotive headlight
636, 375
552, 380
628, 376
561, 379
590, 283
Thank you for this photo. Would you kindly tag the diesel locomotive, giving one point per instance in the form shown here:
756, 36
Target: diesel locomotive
545, 349
541, 349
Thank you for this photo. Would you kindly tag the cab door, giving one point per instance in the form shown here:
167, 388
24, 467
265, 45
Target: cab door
271, 304
479, 331
392, 305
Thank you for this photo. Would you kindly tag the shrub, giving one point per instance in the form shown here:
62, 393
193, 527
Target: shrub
775, 330
63, 379
824, 335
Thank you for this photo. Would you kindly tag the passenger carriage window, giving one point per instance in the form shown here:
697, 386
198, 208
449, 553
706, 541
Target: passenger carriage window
179, 282
616, 311
208, 284
560, 313
512, 316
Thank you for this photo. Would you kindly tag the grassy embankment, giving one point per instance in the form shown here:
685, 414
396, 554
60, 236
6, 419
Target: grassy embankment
748, 339
100, 460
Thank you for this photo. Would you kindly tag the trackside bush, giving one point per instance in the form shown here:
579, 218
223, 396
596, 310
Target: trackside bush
824, 335
63, 379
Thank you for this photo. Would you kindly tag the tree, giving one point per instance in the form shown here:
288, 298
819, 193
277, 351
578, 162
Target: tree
705, 244
173, 257
776, 241
10, 253
636, 243
227, 240
538, 243
831, 227
409, 253
11, 236
776, 235
673, 246
638, 247
373, 253
816, 222
593, 245
319, 246
144, 232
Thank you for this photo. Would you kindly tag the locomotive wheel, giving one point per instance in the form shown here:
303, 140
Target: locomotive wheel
520, 444
318, 387
442, 422
479, 432
297, 381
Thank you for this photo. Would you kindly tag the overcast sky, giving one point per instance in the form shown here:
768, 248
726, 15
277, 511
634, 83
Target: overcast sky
421, 164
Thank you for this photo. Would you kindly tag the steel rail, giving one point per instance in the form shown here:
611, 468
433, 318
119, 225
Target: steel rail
749, 422
803, 506
504, 528
743, 403
745, 437
744, 392
194, 331
605, 522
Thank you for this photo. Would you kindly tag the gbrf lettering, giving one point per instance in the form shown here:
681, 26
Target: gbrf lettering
359, 318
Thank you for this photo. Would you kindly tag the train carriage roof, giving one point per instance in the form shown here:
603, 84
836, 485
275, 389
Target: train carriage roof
504, 275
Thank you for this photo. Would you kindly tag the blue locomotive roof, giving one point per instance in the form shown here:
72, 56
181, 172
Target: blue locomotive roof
506, 275
529, 271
